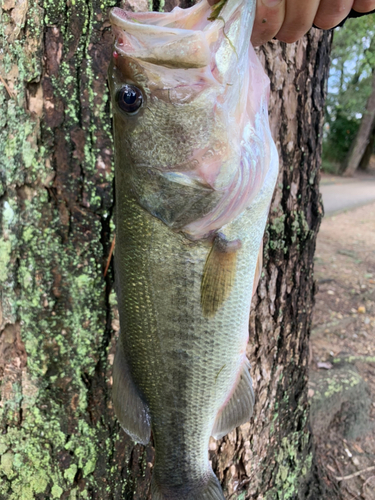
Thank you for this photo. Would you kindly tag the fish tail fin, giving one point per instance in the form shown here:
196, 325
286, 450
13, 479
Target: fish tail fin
207, 489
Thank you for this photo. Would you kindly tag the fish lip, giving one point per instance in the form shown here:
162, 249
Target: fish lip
136, 27
162, 45
129, 24
189, 43
161, 21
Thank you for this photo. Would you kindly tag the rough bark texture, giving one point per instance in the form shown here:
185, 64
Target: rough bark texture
363, 137
369, 151
59, 437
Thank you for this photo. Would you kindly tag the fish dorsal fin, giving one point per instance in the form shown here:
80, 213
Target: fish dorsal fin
258, 269
239, 408
131, 411
218, 274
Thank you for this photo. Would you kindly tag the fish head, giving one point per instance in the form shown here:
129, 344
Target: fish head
189, 101
175, 116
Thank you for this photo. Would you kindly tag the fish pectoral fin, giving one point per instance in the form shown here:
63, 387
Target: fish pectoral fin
239, 408
130, 410
258, 269
218, 274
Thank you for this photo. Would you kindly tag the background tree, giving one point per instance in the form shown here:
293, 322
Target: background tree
351, 97
59, 437
356, 155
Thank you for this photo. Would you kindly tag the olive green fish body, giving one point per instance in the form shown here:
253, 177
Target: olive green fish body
195, 172
185, 365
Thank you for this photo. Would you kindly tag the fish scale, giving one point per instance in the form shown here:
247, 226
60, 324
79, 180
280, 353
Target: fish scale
187, 397
195, 171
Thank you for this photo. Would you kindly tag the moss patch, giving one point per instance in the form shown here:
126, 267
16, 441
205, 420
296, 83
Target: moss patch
52, 252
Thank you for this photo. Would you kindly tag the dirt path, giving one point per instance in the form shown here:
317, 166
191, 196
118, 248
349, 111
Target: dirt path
342, 368
340, 193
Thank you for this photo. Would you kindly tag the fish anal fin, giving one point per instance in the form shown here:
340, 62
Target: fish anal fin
258, 269
218, 274
130, 410
239, 408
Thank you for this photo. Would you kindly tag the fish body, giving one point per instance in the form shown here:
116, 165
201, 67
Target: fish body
195, 171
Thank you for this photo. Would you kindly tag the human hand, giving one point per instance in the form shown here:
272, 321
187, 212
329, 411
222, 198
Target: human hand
289, 20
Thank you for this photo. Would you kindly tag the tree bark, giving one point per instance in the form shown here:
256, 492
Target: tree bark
359, 145
59, 437
369, 151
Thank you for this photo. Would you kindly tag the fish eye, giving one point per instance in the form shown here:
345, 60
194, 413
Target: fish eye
129, 98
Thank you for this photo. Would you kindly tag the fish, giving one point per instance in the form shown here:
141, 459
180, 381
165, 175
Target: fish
195, 170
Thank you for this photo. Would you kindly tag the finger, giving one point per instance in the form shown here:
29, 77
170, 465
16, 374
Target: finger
332, 12
269, 18
364, 5
298, 20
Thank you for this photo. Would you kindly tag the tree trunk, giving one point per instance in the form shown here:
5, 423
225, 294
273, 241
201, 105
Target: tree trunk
59, 437
369, 151
358, 147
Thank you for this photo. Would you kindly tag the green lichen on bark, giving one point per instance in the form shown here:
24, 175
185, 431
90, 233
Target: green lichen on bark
293, 466
287, 230
52, 253
292, 449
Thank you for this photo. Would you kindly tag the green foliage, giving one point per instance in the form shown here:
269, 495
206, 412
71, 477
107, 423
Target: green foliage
349, 86
342, 132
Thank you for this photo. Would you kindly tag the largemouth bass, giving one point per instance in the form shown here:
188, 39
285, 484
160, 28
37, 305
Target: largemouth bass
195, 171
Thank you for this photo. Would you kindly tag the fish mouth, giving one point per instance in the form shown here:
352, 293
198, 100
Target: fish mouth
183, 38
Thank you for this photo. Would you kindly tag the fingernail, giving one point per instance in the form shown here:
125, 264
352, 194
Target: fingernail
271, 3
